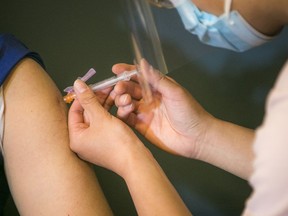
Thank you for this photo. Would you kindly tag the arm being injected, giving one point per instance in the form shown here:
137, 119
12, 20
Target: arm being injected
125, 76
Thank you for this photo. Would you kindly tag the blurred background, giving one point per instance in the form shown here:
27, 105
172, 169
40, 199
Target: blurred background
73, 36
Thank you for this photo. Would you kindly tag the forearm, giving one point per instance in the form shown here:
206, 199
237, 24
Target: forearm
151, 191
229, 147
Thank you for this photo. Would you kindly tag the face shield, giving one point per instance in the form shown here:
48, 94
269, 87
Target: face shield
145, 42
153, 27
170, 34
143, 34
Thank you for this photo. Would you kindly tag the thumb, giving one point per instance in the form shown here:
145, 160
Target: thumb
157, 80
86, 97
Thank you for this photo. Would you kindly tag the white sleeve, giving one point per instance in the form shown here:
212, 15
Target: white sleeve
270, 177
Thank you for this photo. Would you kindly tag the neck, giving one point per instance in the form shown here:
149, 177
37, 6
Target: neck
266, 16
215, 7
283, 11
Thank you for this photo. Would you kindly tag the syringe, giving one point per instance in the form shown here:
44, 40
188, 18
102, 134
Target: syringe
125, 76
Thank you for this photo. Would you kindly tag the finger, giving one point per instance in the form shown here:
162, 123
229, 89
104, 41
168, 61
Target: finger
156, 79
129, 112
103, 95
123, 100
75, 117
130, 87
130, 119
121, 67
109, 102
125, 111
88, 100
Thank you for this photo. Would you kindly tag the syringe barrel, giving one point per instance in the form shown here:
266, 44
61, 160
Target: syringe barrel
125, 76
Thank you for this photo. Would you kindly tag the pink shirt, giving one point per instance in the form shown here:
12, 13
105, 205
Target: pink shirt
270, 177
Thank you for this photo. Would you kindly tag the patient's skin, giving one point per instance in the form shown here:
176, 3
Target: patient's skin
44, 176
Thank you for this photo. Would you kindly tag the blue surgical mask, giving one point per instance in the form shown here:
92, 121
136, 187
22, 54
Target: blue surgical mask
229, 31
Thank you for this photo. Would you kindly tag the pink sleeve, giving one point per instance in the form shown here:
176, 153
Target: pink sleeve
270, 177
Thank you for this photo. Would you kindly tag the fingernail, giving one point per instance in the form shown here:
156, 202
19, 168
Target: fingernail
124, 98
129, 107
80, 86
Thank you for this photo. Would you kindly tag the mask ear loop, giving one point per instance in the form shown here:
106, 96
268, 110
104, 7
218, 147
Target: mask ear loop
227, 9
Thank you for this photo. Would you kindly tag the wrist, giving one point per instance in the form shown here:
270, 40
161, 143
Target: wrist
137, 157
202, 144
149, 187
229, 147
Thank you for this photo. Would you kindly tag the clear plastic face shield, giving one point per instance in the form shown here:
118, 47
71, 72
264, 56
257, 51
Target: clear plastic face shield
148, 54
145, 40
167, 28
143, 34
144, 25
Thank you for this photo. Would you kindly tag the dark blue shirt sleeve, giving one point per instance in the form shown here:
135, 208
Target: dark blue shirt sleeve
11, 52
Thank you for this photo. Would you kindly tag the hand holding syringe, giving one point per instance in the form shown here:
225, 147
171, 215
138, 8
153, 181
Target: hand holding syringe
125, 76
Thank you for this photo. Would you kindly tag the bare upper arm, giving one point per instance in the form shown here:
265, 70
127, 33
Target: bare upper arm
45, 176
